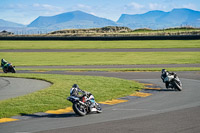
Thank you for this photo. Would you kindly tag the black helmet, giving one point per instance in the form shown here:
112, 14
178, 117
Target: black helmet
164, 70
75, 86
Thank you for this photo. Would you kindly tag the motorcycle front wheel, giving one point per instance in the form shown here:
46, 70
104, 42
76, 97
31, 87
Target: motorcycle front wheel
79, 109
13, 70
178, 86
99, 109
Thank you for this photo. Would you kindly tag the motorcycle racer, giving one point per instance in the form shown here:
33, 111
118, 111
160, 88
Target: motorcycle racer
7, 67
75, 91
4, 64
165, 74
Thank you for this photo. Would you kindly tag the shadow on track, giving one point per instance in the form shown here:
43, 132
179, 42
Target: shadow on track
154, 90
45, 115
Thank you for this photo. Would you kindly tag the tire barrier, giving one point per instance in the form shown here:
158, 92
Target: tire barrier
180, 37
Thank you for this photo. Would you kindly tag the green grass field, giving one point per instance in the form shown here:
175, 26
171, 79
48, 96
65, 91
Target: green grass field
100, 58
99, 44
54, 97
112, 69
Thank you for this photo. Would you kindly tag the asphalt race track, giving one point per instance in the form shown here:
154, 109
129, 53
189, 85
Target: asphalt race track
13, 87
164, 111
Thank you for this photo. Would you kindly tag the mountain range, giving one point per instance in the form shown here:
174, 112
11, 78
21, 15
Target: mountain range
80, 20
4, 23
75, 19
160, 19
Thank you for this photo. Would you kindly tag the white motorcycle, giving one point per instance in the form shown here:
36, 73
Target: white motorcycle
82, 105
174, 82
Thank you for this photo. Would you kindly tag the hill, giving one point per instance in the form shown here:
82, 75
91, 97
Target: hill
4, 23
108, 29
160, 19
71, 20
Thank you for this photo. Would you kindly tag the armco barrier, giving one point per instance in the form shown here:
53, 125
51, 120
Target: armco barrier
182, 37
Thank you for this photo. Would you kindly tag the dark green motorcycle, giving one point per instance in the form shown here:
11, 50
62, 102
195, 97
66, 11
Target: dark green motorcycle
9, 68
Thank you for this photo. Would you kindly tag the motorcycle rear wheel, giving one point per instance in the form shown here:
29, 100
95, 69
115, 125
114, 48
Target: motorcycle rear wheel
4, 70
79, 109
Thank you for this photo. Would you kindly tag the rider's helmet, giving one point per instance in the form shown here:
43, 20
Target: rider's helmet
164, 71
3, 61
75, 86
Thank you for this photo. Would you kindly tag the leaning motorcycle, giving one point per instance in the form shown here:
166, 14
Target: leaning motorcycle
9, 68
174, 82
82, 105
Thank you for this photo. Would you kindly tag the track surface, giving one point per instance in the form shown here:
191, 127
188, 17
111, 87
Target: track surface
13, 87
181, 121
164, 111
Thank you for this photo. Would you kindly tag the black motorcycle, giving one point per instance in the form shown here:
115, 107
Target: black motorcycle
9, 68
82, 105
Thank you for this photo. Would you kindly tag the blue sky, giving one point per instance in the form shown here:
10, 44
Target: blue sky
25, 11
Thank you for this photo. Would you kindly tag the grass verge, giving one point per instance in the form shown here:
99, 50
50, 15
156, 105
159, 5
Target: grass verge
100, 58
113, 69
99, 44
54, 97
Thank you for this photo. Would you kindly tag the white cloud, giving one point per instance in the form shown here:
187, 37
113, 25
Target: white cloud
46, 7
93, 13
190, 6
22, 8
153, 6
82, 6
135, 5
36, 5
131, 8
156, 6
24, 14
